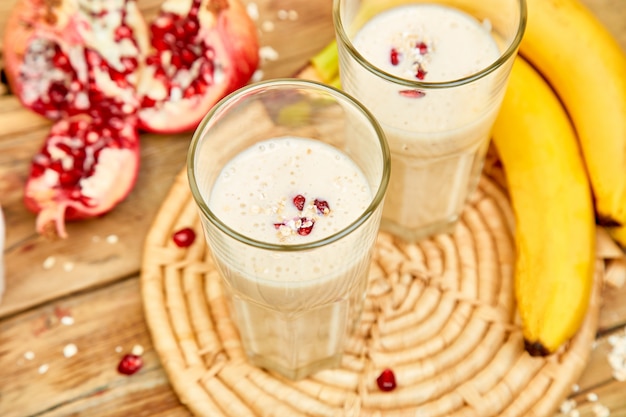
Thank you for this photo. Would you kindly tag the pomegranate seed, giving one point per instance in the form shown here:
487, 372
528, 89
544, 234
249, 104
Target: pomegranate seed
412, 93
394, 56
191, 27
37, 170
160, 44
60, 61
306, 226
386, 381
58, 93
130, 63
122, 32
190, 91
422, 48
199, 86
187, 56
322, 207
184, 238
420, 74
179, 31
118, 77
71, 177
130, 364
147, 102
177, 61
299, 201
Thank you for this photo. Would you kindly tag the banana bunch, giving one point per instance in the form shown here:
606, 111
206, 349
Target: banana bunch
561, 138
574, 125
554, 213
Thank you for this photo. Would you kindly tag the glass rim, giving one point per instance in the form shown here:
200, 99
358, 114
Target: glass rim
226, 102
416, 84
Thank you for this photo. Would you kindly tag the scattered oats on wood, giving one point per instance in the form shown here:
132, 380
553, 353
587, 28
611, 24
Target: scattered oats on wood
137, 350
253, 10
49, 262
70, 350
267, 53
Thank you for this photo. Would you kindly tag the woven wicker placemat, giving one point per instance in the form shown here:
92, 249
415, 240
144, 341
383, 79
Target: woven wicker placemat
440, 313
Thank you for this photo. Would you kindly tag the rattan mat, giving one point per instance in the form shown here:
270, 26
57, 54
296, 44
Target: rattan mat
440, 313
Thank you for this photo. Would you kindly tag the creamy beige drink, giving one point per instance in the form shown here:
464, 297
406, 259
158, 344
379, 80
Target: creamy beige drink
438, 134
293, 309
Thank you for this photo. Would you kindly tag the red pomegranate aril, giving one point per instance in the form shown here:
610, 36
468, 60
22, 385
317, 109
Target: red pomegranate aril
184, 238
420, 74
412, 93
57, 93
299, 201
386, 381
187, 57
60, 61
68, 178
322, 207
130, 63
130, 364
422, 47
306, 226
122, 32
191, 27
394, 56
147, 102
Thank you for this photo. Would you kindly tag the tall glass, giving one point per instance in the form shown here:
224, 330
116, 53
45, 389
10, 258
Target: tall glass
289, 177
433, 73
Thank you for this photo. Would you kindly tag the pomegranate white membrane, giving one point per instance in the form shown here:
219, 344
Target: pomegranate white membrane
438, 135
294, 310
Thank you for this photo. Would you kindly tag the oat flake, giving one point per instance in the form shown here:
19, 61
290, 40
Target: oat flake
137, 350
43, 368
29, 356
49, 262
253, 11
70, 350
112, 239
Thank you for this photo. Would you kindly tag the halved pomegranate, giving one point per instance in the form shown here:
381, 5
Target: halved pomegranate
86, 166
201, 51
64, 56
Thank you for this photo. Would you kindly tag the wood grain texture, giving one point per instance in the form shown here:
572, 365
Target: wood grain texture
95, 280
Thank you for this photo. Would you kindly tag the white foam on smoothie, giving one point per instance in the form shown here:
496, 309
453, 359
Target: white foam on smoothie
254, 191
458, 44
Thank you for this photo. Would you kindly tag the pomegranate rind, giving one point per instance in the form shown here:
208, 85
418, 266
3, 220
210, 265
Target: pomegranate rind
108, 180
228, 30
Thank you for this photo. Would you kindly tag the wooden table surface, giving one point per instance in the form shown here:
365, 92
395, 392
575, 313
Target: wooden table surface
83, 291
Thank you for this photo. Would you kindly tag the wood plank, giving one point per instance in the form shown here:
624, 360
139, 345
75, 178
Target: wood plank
112, 317
107, 323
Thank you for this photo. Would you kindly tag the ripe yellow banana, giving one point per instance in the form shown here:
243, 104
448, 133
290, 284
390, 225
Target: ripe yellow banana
587, 68
551, 199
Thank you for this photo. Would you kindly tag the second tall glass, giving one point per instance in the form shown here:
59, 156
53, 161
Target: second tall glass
433, 74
